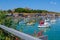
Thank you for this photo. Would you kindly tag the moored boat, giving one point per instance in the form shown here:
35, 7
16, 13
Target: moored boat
45, 24
53, 21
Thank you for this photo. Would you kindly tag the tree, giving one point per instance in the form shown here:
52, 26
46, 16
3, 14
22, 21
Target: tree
2, 17
23, 10
5, 20
8, 21
10, 11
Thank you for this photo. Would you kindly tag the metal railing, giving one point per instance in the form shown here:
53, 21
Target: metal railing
18, 34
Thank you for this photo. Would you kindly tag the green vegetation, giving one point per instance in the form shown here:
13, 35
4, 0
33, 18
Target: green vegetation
8, 21
23, 10
5, 20
2, 17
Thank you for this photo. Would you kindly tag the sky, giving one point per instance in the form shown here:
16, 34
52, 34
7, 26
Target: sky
50, 5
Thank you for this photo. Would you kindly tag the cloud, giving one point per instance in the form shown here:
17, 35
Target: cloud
53, 3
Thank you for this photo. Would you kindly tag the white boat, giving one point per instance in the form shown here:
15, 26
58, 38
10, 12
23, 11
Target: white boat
47, 20
53, 21
46, 24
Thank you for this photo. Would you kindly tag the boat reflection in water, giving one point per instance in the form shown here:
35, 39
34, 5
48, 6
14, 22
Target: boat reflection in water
44, 29
41, 34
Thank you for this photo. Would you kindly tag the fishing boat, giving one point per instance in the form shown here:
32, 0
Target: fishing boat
45, 24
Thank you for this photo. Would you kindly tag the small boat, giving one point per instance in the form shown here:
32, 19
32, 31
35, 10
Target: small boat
31, 23
46, 24
53, 21
47, 20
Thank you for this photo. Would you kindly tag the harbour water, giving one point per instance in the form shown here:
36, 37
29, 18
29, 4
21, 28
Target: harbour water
53, 32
